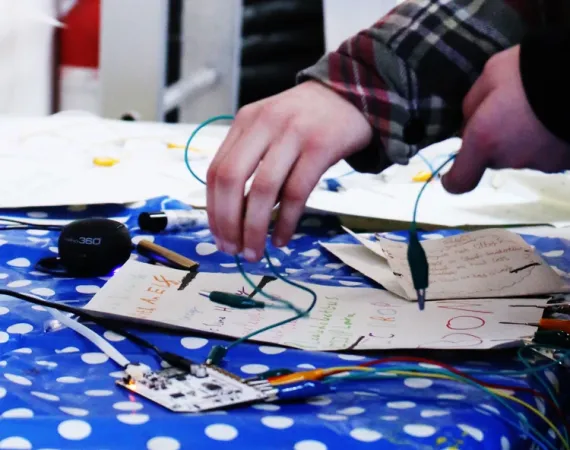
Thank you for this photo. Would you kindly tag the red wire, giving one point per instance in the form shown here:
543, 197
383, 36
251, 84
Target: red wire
469, 377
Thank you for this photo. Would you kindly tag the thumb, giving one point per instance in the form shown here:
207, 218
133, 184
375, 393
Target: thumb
469, 165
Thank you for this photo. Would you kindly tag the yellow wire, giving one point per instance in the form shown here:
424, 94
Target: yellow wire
496, 392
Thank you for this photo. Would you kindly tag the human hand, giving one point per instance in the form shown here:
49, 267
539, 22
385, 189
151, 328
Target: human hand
288, 141
501, 130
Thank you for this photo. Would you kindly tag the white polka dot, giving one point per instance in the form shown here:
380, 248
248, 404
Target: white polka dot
77, 412
35, 273
163, 443
552, 378
289, 270
228, 265
389, 418
3, 363
206, 248
48, 364
68, 350
352, 357
3, 242
365, 435
310, 445
319, 276
418, 383
98, 393
94, 358
366, 394
221, 432
352, 411
319, 401
350, 283
254, 369
19, 262
419, 430
401, 405
429, 366
44, 396
392, 236
118, 374
3, 276
128, 406
43, 292
428, 413
38, 232
2, 392
74, 430
505, 444
18, 413
433, 236
4, 310
552, 434
25, 351
4, 337
87, 289
113, 337
54, 250
70, 380
38, 308
19, 283
277, 422
266, 407
475, 433
20, 328
335, 266
451, 397
193, 343
17, 379
541, 405
138, 239
133, 419
554, 254
15, 443
490, 408
332, 417
37, 214
306, 366
37, 240
271, 350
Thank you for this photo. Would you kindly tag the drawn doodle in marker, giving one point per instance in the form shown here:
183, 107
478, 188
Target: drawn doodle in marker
462, 323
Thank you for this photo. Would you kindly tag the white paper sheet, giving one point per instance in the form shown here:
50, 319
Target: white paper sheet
481, 264
343, 319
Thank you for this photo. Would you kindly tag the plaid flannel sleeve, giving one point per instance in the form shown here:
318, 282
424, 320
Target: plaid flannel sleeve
409, 73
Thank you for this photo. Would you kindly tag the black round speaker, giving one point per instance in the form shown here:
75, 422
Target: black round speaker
90, 248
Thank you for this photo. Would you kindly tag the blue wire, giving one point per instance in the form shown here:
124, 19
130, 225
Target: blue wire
299, 313
433, 175
426, 161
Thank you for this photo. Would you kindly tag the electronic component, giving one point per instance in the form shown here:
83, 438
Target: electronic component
202, 389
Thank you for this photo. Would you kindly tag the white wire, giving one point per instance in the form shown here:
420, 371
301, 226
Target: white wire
90, 335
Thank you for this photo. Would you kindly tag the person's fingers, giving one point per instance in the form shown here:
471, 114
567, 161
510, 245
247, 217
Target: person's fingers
476, 96
264, 191
231, 176
244, 119
473, 158
305, 175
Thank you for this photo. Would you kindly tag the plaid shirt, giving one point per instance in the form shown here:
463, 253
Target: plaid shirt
409, 72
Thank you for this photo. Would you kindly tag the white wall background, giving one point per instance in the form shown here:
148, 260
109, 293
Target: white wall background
26, 31
344, 18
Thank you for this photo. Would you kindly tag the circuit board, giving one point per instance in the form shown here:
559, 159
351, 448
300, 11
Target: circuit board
205, 389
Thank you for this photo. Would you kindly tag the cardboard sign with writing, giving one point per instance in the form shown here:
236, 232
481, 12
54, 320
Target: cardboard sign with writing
483, 264
344, 318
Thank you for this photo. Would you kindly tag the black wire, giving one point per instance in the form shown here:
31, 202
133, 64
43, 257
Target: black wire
171, 358
23, 225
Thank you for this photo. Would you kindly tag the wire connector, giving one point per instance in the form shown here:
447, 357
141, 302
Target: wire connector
419, 267
216, 355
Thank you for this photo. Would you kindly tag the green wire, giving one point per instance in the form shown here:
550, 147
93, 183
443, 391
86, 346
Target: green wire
502, 401
298, 313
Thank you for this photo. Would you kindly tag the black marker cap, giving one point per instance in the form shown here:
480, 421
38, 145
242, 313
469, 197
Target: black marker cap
153, 222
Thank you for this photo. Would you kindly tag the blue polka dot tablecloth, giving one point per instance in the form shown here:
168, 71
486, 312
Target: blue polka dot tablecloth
57, 390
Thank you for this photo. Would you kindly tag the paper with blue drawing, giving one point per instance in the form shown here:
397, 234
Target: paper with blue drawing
344, 318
